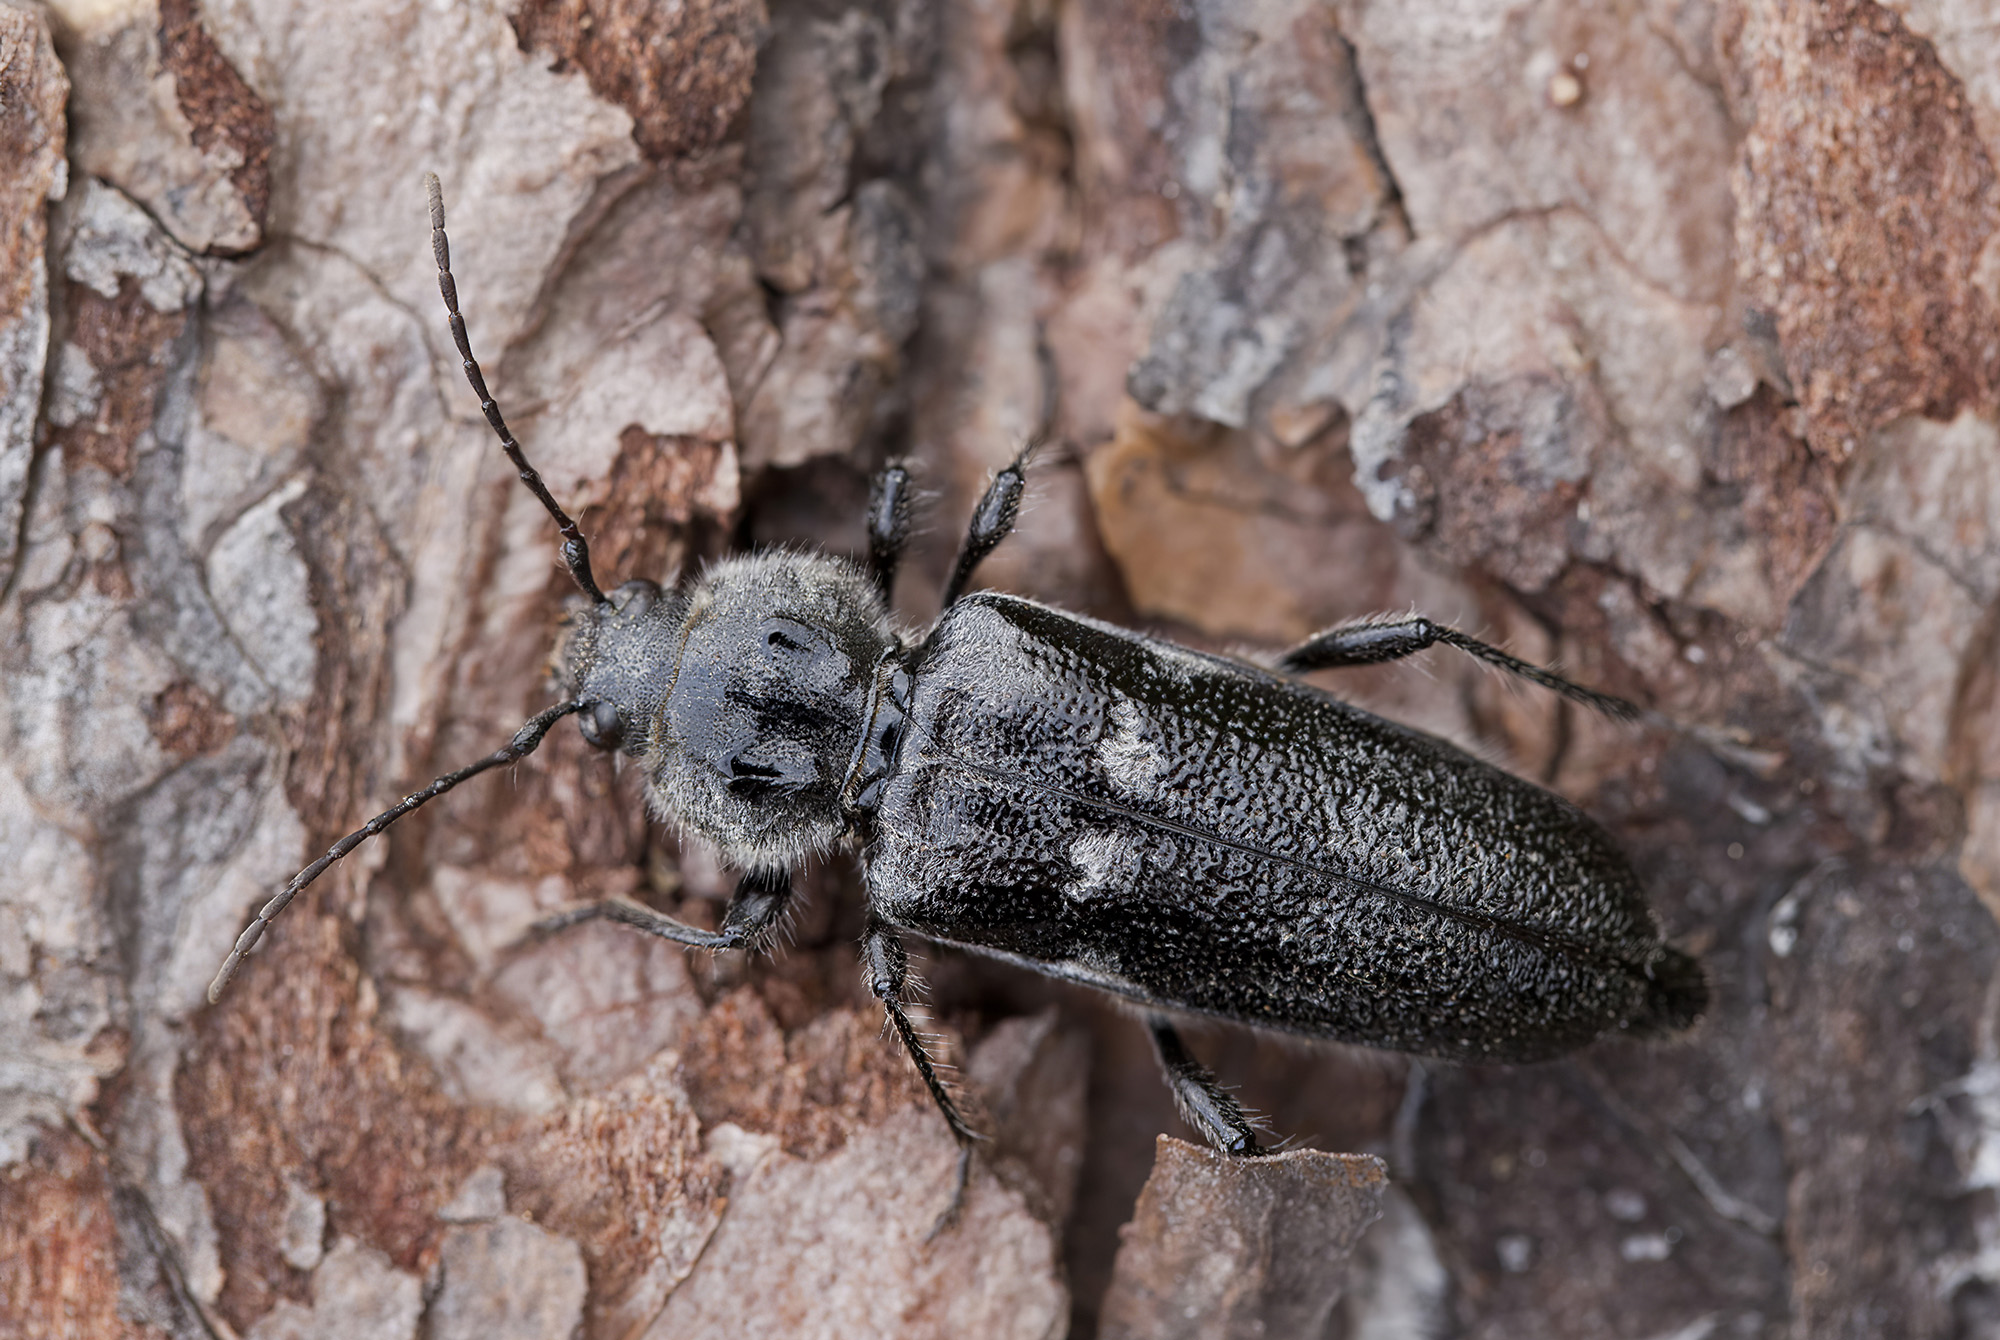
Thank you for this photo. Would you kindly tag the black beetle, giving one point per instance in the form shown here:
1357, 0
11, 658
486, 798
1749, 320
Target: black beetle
1190, 832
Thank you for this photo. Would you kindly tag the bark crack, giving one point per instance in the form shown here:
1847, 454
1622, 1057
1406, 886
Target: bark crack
1361, 120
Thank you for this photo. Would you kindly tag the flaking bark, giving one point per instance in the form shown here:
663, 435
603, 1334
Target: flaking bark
1656, 341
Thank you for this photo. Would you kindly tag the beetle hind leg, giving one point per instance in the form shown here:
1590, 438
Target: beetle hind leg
1373, 641
1203, 1103
888, 973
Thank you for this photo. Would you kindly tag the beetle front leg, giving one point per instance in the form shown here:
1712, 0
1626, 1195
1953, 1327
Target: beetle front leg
1202, 1102
888, 972
759, 900
888, 526
1373, 641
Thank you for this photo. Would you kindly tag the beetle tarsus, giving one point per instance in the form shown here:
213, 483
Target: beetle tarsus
888, 973
1203, 1103
949, 1216
888, 525
992, 521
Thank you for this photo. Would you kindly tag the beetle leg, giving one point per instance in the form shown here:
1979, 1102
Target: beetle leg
992, 521
1203, 1103
760, 897
1373, 641
888, 525
888, 971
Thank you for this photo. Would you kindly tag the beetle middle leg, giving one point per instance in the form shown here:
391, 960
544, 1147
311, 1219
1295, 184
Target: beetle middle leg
888, 973
1373, 641
1203, 1103
759, 900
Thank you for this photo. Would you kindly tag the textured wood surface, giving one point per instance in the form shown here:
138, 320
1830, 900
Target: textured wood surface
1660, 340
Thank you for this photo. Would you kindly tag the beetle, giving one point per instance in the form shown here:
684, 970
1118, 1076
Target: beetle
1194, 833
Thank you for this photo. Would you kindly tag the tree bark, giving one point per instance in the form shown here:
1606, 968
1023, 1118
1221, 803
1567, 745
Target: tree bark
1656, 340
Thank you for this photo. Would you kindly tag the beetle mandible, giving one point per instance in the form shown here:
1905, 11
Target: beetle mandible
1191, 832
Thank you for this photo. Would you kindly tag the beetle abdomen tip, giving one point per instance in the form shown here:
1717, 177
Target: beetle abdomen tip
1676, 994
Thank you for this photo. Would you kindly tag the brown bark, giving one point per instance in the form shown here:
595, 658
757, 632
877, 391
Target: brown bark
1658, 340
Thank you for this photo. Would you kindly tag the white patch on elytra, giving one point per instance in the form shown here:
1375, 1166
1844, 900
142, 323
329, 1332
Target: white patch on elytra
1129, 760
1099, 969
1105, 862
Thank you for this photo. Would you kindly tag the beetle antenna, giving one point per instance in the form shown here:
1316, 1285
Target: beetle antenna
524, 743
575, 549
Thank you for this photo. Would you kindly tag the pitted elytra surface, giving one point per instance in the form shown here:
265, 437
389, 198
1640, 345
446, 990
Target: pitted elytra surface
1194, 833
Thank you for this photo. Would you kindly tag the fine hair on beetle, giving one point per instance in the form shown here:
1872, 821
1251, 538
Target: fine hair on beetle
1196, 834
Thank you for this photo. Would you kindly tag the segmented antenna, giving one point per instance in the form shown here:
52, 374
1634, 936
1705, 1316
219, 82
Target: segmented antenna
523, 744
575, 549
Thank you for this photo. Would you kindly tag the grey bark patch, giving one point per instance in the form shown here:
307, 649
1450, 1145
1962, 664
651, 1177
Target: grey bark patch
1032, 1076
507, 1280
835, 1247
33, 171
1239, 1248
305, 1227
482, 1197
111, 237
263, 591
1397, 1287
164, 117
357, 1295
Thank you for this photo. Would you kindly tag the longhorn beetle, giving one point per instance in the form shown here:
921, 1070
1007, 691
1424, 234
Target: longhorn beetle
1194, 833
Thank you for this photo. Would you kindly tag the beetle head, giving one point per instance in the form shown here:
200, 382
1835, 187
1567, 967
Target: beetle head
743, 695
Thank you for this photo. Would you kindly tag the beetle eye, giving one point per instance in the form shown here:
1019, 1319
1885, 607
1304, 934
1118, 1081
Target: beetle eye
601, 726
